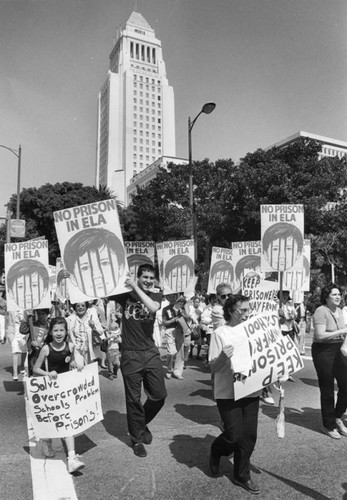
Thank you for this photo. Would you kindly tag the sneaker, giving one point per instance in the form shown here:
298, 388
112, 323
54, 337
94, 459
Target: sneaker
111, 376
168, 375
179, 377
267, 398
15, 377
333, 434
47, 448
341, 427
74, 464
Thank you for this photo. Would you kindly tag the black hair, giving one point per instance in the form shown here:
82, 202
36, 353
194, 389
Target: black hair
55, 321
143, 268
230, 304
326, 291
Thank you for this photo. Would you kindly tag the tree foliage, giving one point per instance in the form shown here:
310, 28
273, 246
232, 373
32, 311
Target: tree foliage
228, 198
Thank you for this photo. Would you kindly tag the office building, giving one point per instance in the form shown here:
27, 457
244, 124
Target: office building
136, 111
330, 147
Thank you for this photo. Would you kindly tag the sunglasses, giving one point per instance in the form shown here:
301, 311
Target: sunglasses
226, 295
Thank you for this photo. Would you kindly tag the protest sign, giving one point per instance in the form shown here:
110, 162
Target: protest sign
274, 356
91, 245
282, 237
262, 294
246, 261
27, 275
176, 266
139, 252
221, 268
299, 280
66, 406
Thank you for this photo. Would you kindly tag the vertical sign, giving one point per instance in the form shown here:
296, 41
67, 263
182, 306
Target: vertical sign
92, 250
139, 252
282, 237
221, 268
177, 266
27, 275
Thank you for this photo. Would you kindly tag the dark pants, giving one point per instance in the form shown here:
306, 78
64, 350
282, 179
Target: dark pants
330, 364
240, 420
142, 367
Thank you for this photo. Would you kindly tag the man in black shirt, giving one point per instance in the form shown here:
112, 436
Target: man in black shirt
140, 358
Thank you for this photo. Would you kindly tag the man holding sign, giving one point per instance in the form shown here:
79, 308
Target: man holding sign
140, 360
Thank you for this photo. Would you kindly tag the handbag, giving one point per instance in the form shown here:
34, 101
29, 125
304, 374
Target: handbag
195, 333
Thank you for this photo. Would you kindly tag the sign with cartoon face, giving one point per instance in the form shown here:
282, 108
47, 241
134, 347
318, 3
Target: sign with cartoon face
176, 266
92, 250
221, 268
139, 252
299, 279
282, 237
27, 275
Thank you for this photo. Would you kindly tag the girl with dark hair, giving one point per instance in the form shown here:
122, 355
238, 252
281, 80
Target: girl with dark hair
55, 357
240, 417
329, 362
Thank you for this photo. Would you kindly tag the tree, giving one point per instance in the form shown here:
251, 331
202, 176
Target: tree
228, 197
38, 204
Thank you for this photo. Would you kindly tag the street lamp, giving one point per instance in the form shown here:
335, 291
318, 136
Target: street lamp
207, 109
17, 153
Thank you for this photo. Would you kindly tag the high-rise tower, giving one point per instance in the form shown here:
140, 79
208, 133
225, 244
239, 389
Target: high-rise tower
136, 111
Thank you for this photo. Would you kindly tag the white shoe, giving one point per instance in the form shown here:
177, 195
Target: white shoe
333, 434
267, 398
168, 375
47, 448
74, 464
341, 427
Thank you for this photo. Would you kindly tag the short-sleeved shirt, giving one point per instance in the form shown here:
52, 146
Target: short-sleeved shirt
137, 321
324, 316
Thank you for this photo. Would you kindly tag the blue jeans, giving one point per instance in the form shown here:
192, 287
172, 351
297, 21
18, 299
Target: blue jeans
330, 364
142, 368
240, 419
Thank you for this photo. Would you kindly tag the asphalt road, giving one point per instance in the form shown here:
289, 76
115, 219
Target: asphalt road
305, 464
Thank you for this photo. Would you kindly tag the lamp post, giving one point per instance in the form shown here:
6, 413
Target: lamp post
17, 153
207, 109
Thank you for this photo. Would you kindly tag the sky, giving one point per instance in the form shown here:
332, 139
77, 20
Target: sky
273, 68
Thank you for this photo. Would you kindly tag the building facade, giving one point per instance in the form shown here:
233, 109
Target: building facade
330, 147
143, 178
136, 109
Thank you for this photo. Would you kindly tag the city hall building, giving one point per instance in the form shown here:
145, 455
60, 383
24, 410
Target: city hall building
136, 108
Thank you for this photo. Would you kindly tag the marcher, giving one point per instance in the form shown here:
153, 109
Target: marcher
174, 337
113, 336
330, 364
195, 312
223, 292
18, 343
55, 356
140, 358
81, 327
34, 326
240, 417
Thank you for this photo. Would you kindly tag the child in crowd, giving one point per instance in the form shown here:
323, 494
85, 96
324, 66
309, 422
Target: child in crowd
35, 326
55, 356
113, 336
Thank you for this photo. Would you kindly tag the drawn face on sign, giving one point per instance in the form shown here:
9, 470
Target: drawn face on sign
27, 283
282, 244
179, 271
95, 258
294, 280
222, 272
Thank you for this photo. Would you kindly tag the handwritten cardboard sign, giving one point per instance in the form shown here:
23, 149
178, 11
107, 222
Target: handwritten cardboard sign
66, 406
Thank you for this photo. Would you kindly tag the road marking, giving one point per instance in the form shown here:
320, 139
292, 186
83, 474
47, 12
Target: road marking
50, 478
